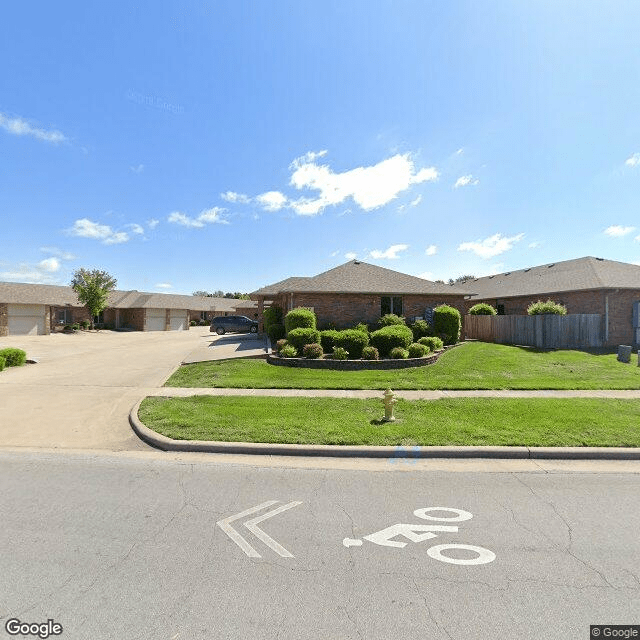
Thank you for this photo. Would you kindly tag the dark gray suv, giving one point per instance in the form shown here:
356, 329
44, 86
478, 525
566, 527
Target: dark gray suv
241, 324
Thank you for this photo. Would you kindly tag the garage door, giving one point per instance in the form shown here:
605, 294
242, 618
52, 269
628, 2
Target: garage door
178, 320
156, 320
26, 319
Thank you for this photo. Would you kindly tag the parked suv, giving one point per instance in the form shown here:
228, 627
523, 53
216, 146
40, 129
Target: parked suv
241, 324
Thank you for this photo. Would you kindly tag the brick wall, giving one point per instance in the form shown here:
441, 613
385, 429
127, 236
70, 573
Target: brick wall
4, 319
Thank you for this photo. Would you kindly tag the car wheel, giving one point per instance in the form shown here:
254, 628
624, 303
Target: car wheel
254, 330
220, 331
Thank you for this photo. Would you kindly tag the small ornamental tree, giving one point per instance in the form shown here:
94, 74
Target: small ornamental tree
92, 288
299, 318
540, 308
482, 309
447, 323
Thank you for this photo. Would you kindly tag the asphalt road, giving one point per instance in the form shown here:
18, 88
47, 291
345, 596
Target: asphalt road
127, 546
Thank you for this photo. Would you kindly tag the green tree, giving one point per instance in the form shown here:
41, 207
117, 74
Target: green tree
92, 288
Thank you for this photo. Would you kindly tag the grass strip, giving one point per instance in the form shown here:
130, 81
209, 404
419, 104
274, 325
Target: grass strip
473, 365
538, 422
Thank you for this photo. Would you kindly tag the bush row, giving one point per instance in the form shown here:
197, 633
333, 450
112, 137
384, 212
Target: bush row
13, 357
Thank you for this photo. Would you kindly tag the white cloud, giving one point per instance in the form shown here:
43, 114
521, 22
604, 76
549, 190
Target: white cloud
633, 161
20, 127
272, 200
153, 223
208, 216
637, 238
164, 285
85, 228
460, 151
389, 254
617, 231
369, 187
427, 275
350, 255
232, 196
416, 201
431, 250
465, 181
534, 245
49, 265
138, 169
335, 253
54, 251
136, 228
491, 246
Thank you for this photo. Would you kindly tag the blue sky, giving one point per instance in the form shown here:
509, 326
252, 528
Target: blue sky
229, 144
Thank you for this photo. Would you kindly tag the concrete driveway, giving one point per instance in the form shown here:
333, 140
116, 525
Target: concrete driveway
80, 393
229, 345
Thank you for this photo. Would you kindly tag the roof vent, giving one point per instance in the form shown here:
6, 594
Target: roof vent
529, 269
491, 277
356, 262
553, 264
601, 259
508, 273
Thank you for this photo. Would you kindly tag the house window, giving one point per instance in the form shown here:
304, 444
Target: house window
500, 309
203, 316
63, 316
391, 304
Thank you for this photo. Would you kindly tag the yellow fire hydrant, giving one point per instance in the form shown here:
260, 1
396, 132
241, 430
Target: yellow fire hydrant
389, 400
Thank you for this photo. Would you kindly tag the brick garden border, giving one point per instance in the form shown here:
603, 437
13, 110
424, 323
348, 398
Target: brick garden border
356, 365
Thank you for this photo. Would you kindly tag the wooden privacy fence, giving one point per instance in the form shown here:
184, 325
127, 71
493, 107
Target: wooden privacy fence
549, 331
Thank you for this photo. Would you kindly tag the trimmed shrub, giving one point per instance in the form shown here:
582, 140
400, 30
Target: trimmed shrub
85, 324
288, 351
390, 319
447, 323
370, 353
312, 351
299, 318
299, 337
362, 326
340, 353
417, 350
398, 353
434, 343
193, 323
275, 332
3, 361
482, 309
420, 329
13, 357
540, 308
75, 326
280, 344
391, 336
327, 339
353, 341
271, 315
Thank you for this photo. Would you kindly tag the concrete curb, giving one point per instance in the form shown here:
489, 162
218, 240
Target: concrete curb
334, 451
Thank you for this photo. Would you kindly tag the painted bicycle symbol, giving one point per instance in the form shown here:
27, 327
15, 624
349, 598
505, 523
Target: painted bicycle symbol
421, 532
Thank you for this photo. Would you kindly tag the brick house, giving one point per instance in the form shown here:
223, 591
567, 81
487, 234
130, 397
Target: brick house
359, 292
584, 285
39, 309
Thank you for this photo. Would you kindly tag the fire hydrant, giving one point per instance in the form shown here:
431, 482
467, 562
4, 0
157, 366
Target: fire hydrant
389, 400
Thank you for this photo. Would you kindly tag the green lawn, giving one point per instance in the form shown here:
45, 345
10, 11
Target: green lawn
472, 365
465, 421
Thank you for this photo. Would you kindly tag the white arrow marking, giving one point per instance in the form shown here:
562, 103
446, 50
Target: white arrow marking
252, 525
235, 536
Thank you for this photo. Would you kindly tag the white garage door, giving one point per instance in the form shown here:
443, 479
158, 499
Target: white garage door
156, 320
26, 319
178, 320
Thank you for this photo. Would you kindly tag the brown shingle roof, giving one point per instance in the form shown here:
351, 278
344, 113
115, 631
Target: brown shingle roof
569, 275
360, 277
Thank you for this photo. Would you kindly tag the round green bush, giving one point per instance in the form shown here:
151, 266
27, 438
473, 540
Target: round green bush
391, 336
288, 351
390, 319
312, 351
370, 353
420, 329
417, 350
193, 323
301, 336
362, 326
275, 332
327, 339
280, 344
85, 324
340, 353
482, 309
13, 357
353, 341
447, 323
434, 343
299, 318
398, 353
3, 362
540, 308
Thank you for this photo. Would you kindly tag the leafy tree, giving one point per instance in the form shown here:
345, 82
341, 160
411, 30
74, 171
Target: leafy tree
93, 287
203, 294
